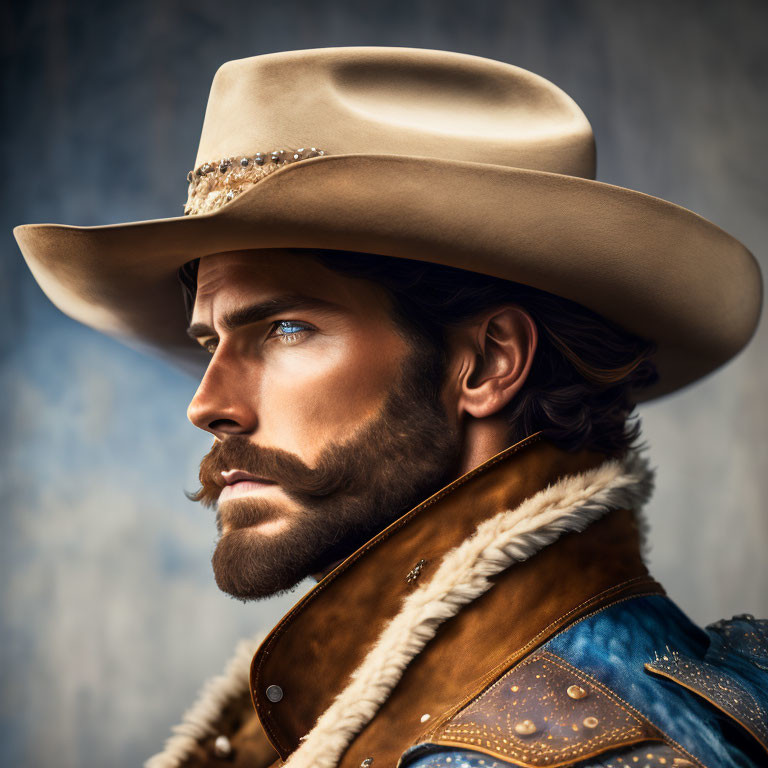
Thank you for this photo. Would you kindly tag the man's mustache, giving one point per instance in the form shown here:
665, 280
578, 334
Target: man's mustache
275, 464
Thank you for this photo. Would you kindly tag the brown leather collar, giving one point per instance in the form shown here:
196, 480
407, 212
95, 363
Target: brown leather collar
314, 649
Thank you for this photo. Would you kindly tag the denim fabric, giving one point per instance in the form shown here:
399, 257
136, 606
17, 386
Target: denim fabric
451, 758
467, 758
614, 644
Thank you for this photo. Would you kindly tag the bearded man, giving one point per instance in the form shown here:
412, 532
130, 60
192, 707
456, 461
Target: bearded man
426, 338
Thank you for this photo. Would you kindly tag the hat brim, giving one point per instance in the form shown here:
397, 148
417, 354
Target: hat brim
655, 268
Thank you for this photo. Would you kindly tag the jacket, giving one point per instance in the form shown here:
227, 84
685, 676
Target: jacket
508, 619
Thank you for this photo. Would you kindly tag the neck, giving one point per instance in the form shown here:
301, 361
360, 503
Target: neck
483, 439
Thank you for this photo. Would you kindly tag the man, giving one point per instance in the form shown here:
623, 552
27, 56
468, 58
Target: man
426, 336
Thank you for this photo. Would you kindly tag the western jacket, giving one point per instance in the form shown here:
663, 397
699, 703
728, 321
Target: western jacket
507, 620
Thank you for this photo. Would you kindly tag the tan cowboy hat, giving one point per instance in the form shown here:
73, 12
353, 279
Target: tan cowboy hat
413, 153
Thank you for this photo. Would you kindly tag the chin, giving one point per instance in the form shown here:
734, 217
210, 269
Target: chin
249, 565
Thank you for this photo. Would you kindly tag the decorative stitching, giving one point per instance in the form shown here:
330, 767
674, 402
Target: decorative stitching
544, 636
617, 588
716, 696
667, 738
551, 741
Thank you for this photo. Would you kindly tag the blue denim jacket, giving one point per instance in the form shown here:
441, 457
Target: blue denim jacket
706, 691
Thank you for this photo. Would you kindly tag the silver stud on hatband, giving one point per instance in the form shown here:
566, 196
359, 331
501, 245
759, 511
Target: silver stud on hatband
209, 190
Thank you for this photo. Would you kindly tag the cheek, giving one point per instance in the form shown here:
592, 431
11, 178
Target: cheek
324, 390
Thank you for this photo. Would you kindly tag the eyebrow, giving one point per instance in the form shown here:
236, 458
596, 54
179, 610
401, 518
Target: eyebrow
253, 313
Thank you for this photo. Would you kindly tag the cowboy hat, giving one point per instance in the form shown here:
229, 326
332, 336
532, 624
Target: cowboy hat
414, 153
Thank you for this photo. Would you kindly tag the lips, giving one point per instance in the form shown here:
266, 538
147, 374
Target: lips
232, 476
239, 483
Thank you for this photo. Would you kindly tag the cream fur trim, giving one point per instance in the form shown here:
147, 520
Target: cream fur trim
570, 504
200, 719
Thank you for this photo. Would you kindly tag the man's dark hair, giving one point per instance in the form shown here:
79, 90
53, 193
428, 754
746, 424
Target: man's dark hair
581, 388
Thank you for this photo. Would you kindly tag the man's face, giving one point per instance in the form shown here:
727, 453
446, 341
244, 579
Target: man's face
327, 428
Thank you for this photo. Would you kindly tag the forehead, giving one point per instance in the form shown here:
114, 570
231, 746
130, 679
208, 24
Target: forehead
227, 280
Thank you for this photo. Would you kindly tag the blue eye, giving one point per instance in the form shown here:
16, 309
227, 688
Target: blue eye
287, 327
290, 331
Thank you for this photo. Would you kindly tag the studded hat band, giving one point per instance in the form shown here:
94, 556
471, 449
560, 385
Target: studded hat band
214, 184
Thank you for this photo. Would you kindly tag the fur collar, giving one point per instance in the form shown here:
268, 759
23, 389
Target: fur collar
201, 719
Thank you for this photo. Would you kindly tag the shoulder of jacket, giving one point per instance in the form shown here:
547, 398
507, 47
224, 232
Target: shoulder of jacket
549, 710
545, 712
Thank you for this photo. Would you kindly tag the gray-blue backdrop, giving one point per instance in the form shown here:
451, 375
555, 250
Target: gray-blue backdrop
110, 618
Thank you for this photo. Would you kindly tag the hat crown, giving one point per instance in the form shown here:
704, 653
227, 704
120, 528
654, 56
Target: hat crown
395, 101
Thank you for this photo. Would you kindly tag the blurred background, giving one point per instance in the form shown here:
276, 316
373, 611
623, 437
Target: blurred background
110, 619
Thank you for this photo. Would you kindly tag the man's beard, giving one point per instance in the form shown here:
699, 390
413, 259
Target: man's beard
357, 488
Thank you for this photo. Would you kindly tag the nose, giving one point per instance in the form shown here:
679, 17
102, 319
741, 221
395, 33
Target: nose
224, 401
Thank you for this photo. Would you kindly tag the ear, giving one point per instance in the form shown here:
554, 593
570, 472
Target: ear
494, 354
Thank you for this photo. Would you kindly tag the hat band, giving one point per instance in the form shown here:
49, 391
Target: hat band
214, 184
